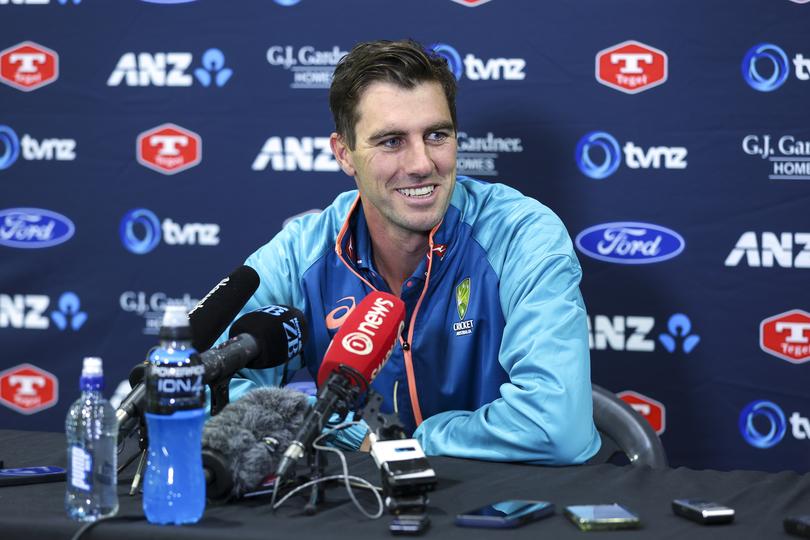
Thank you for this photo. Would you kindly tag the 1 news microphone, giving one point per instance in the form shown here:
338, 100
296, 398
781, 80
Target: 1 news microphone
265, 338
240, 444
355, 356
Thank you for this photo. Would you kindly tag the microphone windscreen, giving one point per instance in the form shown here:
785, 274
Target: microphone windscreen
279, 330
212, 315
367, 337
249, 433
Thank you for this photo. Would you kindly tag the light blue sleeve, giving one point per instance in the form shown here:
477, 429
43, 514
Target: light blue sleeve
545, 412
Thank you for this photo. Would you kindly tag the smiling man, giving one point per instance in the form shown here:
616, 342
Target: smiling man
493, 362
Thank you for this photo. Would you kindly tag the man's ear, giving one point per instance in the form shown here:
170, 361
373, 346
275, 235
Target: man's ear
342, 154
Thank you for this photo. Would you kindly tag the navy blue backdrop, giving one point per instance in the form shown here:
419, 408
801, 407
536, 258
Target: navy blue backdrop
147, 148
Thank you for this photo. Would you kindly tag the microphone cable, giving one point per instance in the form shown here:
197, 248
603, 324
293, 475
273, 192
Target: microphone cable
346, 477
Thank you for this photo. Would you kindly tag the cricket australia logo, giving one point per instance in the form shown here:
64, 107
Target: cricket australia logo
462, 328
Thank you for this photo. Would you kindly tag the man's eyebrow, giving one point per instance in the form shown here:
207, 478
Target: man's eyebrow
386, 132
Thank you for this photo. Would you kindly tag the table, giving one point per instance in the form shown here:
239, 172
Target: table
761, 500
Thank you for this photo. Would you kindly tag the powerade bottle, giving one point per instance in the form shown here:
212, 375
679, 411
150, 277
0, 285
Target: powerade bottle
174, 483
92, 431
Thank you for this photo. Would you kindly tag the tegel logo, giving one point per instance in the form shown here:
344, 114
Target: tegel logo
792, 162
168, 149
471, 3
631, 67
34, 228
787, 250
598, 155
651, 409
141, 231
28, 66
480, 69
27, 311
169, 69
28, 389
787, 336
33, 149
151, 306
629, 242
478, 156
762, 424
311, 68
296, 154
635, 333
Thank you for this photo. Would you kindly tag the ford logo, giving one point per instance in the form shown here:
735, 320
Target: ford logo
33, 228
628, 242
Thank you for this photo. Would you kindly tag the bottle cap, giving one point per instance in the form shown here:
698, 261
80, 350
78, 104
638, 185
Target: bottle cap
91, 367
175, 323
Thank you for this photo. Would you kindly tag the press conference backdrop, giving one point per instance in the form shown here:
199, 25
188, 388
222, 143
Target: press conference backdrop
147, 147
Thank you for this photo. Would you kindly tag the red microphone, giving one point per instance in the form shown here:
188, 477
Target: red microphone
367, 337
355, 356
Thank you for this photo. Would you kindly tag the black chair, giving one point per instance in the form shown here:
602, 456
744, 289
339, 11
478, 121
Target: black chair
624, 431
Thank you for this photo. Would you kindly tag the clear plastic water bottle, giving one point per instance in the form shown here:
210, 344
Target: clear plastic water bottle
174, 483
92, 433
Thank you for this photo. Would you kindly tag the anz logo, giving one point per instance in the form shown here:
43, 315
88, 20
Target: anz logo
296, 154
636, 334
30, 312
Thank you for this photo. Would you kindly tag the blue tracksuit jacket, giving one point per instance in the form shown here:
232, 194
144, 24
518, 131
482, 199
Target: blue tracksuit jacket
498, 367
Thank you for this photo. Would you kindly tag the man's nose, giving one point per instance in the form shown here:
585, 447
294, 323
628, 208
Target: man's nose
417, 160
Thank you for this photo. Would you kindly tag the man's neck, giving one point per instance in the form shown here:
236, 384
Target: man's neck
397, 259
397, 253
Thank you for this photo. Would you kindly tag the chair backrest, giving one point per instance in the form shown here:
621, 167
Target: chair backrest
624, 431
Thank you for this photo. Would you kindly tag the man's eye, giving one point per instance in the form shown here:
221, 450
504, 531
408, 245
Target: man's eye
437, 136
392, 143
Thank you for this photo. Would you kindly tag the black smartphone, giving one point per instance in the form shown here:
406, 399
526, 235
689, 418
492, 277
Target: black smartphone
505, 514
602, 517
798, 526
703, 511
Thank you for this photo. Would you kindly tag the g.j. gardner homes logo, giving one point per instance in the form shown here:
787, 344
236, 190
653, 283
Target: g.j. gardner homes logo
462, 304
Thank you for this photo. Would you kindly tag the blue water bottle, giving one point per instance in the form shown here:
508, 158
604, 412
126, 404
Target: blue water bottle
174, 482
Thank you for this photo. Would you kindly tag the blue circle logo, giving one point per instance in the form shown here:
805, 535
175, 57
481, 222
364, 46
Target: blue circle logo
765, 53
772, 414
11, 144
609, 160
451, 55
148, 239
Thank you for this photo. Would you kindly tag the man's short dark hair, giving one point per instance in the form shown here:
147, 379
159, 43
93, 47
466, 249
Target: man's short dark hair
405, 63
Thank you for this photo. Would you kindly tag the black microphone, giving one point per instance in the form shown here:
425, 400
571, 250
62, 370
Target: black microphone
132, 405
211, 316
208, 319
240, 444
265, 338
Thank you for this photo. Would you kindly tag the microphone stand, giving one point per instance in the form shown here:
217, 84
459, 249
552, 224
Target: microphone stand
343, 389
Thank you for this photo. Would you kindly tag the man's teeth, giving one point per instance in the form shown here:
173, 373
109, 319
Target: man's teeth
417, 192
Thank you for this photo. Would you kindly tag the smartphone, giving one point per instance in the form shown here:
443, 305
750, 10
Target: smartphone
505, 514
602, 517
798, 526
702, 511
31, 475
